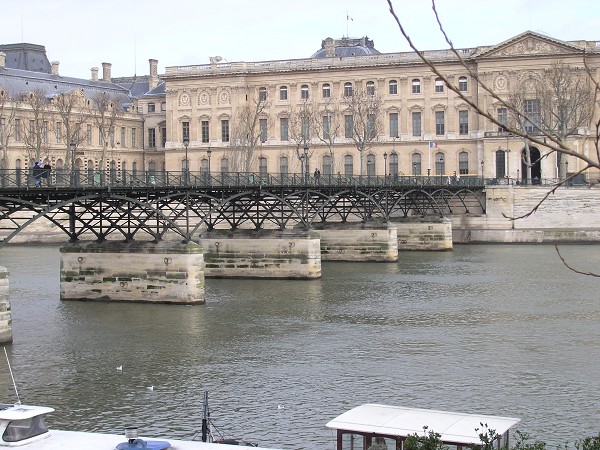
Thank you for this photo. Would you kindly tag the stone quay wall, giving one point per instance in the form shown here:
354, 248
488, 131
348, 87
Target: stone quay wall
164, 272
5, 314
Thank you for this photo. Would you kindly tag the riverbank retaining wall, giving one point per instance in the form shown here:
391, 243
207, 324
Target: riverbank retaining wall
5, 314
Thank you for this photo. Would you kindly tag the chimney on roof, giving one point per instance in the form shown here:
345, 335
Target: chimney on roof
329, 46
55, 65
94, 74
153, 73
106, 71
2, 60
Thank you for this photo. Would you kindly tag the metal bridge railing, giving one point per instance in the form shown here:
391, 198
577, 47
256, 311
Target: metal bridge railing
156, 179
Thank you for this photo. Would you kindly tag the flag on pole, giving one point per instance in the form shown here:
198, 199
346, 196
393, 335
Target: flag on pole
349, 18
432, 144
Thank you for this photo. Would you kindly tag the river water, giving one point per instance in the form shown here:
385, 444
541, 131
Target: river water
503, 330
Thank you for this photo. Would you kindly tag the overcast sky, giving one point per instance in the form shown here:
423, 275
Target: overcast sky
81, 34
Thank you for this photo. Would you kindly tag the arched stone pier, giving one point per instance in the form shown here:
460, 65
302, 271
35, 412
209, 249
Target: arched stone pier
164, 272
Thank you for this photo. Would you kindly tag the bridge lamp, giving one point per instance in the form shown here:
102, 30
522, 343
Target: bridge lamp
441, 166
208, 153
186, 143
482, 170
306, 162
385, 164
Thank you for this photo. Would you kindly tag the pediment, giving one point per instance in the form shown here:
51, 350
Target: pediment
530, 44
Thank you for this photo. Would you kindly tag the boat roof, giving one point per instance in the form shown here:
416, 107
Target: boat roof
454, 428
20, 412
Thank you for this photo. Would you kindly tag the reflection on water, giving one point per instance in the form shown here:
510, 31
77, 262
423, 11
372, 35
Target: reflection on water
489, 329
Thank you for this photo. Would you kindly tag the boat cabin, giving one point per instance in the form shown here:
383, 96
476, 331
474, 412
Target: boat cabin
382, 427
22, 424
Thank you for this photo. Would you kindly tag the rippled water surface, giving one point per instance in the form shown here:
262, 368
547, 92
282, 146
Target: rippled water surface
504, 330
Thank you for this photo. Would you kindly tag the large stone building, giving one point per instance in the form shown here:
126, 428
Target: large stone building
346, 110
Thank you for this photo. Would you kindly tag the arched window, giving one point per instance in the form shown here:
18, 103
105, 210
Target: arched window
204, 166
463, 163
370, 88
262, 94
90, 170
348, 89
393, 167
440, 164
283, 93
262, 166
113, 172
371, 165
327, 165
134, 169
462, 84
500, 164
416, 164
304, 92
348, 165
416, 86
393, 87
439, 85
326, 90
283, 165
224, 166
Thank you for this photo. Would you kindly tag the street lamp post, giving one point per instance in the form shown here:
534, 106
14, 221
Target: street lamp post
306, 163
208, 153
72, 148
385, 165
441, 168
186, 143
302, 168
482, 180
414, 169
566, 170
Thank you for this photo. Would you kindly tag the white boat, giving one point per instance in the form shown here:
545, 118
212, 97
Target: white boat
373, 426
23, 426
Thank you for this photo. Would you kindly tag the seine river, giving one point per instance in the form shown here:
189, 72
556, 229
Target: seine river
504, 330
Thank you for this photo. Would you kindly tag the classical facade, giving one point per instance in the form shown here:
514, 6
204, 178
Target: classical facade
266, 113
346, 110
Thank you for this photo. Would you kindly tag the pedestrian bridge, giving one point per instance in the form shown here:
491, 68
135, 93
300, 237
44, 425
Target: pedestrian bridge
145, 206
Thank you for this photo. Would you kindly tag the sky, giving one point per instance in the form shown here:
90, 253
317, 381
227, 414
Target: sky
82, 34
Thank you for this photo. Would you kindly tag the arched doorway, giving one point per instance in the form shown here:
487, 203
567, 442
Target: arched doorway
536, 166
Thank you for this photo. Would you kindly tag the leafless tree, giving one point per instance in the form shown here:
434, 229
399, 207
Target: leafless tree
70, 109
35, 135
327, 126
246, 132
365, 110
105, 109
300, 128
8, 111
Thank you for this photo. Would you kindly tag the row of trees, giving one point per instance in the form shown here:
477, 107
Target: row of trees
31, 118
358, 116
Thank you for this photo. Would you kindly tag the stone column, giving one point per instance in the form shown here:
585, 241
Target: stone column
166, 272
293, 254
5, 315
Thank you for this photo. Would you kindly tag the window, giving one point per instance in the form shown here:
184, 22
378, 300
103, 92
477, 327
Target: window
416, 86
463, 163
164, 136
348, 90
151, 138
348, 126
327, 165
283, 93
18, 136
262, 94
416, 164
393, 124
45, 132
532, 110
502, 116
463, 122
88, 135
393, 87
462, 84
371, 165
304, 92
370, 88
224, 165
440, 164
348, 165
416, 124
133, 135
225, 130
326, 90
205, 131
500, 164
439, 85
122, 136
326, 125
262, 124
163, 106
185, 130
440, 129
393, 166
283, 165
284, 129
204, 166
58, 132
151, 107
262, 166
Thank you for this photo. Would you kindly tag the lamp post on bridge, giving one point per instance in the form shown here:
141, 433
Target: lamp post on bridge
306, 168
208, 153
441, 168
385, 166
482, 180
186, 143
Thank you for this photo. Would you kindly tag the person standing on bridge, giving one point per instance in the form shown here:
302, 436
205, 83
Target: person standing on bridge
46, 173
38, 169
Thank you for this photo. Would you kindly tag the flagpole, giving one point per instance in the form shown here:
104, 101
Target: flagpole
347, 20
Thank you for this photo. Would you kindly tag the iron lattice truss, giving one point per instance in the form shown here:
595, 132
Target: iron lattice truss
128, 213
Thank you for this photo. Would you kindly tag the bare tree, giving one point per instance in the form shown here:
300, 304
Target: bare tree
35, 136
327, 124
246, 133
365, 111
8, 111
300, 127
105, 109
69, 108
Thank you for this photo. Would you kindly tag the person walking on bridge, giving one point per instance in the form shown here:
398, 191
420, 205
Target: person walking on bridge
38, 169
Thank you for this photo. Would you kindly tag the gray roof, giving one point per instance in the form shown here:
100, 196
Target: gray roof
139, 86
24, 56
346, 47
